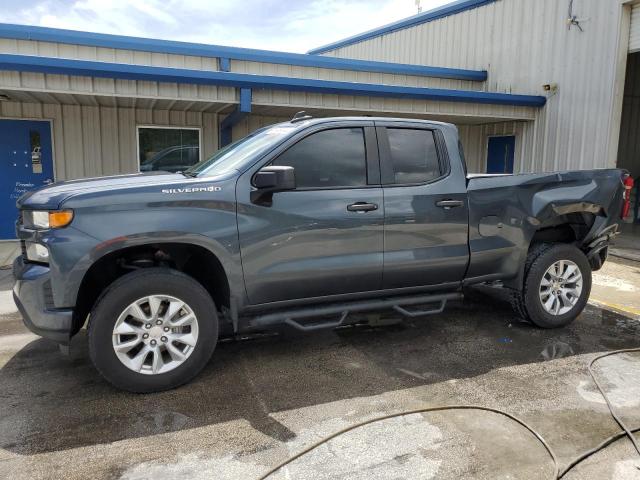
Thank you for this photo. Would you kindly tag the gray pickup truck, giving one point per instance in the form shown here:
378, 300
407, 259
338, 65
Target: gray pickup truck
301, 224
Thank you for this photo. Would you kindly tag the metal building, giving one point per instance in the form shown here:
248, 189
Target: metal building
532, 85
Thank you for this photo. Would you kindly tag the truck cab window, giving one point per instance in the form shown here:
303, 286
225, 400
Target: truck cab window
328, 159
413, 155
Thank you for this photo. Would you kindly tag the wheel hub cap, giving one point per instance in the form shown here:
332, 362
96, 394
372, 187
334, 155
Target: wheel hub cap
560, 287
155, 334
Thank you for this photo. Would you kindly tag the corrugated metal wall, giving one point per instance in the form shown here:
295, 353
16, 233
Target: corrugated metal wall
148, 92
525, 44
634, 36
474, 138
91, 141
629, 155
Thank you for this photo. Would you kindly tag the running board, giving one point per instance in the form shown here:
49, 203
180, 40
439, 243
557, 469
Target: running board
291, 317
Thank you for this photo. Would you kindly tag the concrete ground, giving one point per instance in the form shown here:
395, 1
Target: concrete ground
627, 244
261, 400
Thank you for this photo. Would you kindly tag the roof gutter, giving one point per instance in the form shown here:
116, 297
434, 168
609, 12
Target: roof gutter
62, 66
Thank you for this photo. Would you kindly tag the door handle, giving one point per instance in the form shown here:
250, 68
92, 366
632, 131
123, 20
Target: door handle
447, 204
362, 207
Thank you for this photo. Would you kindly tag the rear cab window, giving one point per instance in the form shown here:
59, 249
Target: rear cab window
413, 155
410, 154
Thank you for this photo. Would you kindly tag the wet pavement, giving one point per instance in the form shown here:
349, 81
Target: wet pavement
261, 400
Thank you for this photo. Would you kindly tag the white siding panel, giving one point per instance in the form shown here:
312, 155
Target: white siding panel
61, 85
98, 140
109, 141
634, 36
475, 139
524, 44
73, 141
76, 52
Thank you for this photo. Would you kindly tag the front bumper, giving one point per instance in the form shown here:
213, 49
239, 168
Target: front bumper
32, 294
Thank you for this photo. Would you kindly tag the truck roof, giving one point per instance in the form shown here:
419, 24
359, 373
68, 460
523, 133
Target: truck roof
307, 120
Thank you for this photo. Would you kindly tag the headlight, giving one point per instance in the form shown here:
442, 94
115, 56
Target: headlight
37, 252
43, 219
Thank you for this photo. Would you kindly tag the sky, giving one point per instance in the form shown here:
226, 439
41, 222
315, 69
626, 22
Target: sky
286, 25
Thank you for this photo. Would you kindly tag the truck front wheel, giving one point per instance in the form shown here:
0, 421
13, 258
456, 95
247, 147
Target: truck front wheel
152, 330
557, 285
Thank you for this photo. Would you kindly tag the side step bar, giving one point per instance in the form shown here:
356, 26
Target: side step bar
291, 317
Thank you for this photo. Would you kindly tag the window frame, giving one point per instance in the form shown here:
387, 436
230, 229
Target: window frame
165, 127
386, 162
372, 160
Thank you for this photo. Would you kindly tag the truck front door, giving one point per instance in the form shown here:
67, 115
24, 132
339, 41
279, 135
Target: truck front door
425, 203
325, 237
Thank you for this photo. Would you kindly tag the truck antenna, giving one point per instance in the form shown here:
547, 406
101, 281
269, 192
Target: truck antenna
300, 116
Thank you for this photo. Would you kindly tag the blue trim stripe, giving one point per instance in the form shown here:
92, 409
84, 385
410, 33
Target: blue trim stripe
44, 34
425, 17
26, 63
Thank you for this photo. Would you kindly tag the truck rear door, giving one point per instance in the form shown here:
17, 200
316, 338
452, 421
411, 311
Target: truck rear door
425, 205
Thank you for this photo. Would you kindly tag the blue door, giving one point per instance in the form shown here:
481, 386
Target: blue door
501, 154
26, 163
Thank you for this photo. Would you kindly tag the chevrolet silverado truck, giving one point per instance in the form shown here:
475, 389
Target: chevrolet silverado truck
300, 224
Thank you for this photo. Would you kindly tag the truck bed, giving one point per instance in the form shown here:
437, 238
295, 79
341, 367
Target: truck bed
505, 211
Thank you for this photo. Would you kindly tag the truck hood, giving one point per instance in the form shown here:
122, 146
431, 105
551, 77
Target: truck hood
52, 196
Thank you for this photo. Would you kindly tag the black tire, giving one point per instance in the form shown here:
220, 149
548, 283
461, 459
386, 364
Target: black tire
527, 304
126, 290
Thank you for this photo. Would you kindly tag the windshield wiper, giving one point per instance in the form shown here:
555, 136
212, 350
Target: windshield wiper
189, 174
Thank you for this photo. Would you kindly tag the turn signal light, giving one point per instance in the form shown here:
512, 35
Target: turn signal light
60, 219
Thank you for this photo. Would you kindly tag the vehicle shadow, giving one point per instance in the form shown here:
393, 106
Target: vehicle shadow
50, 402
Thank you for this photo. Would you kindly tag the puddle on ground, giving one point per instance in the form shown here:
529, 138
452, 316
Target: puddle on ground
555, 350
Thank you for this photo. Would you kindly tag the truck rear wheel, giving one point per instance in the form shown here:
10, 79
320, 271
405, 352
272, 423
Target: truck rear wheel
556, 287
152, 330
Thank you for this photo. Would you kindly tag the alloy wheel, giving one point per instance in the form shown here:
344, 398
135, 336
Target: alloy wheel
560, 287
155, 334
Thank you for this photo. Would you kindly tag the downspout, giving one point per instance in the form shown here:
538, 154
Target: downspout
235, 117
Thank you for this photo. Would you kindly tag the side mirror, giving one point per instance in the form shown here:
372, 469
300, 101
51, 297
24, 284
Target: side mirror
274, 179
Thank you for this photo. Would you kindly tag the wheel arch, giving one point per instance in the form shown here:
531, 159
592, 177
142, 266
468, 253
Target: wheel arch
571, 225
193, 259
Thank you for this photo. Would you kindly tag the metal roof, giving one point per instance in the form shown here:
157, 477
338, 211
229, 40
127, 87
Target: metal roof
424, 17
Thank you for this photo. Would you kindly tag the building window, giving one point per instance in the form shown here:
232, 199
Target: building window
168, 149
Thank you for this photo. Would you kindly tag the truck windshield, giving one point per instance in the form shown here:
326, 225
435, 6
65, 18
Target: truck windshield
241, 152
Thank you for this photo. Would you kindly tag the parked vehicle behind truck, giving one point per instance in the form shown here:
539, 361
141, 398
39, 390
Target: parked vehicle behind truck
290, 225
